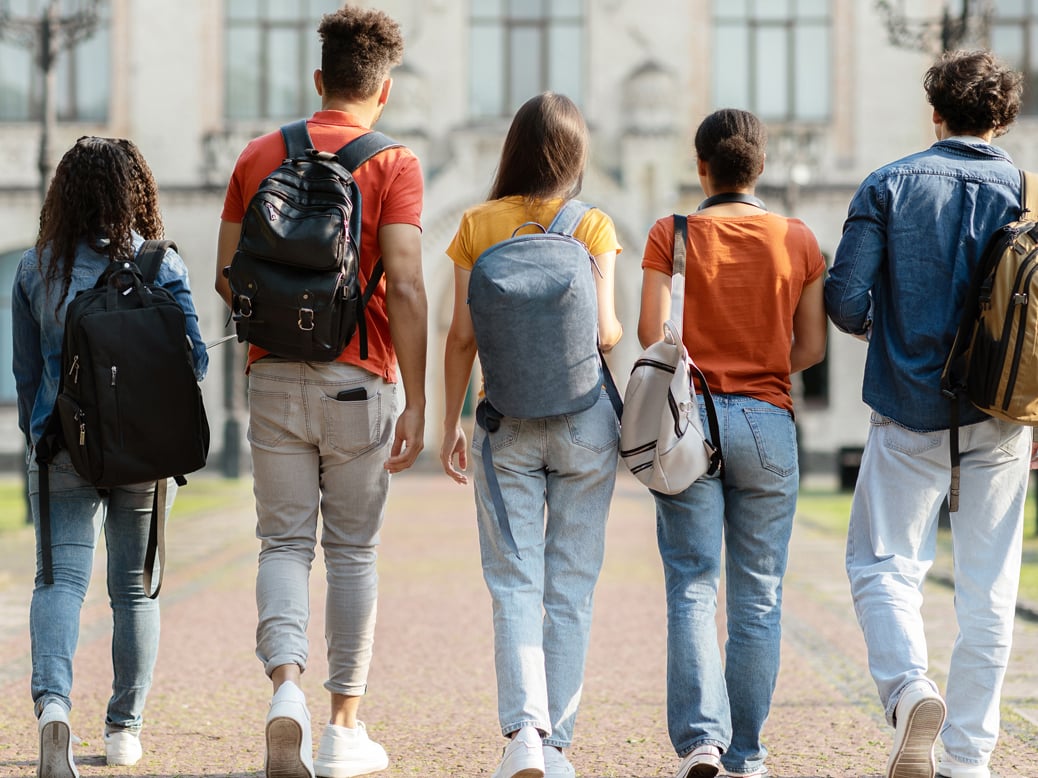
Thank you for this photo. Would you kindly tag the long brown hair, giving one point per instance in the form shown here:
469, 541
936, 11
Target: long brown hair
545, 151
102, 190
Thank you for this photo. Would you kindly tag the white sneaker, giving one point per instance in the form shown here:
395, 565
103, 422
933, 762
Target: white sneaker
523, 756
289, 742
703, 762
556, 765
917, 722
345, 752
122, 747
55, 744
953, 768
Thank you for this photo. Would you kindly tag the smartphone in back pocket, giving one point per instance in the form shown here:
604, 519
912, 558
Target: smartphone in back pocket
348, 395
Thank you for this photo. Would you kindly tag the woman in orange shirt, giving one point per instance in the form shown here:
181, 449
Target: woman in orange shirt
753, 314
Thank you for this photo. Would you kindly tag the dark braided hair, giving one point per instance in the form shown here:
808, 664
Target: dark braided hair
102, 190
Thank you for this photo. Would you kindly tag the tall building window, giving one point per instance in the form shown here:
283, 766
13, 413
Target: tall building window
272, 51
82, 73
520, 48
773, 57
1014, 38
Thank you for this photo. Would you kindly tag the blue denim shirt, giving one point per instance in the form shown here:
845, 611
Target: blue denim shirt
915, 231
38, 334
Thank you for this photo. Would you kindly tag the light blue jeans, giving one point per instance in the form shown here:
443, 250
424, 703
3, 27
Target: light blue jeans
751, 509
313, 454
78, 513
891, 544
556, 477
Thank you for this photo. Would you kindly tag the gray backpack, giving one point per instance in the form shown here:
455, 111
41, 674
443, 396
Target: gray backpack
534, 311
535, 315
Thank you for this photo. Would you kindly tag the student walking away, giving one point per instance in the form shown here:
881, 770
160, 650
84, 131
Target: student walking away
914, 233
100, 208
326, 435
546, 457
753, 315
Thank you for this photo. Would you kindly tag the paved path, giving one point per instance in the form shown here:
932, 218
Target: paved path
431, 700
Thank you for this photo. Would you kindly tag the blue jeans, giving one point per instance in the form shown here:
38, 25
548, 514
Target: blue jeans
315, 455
891, 543
557, 477
751, 509
78, 513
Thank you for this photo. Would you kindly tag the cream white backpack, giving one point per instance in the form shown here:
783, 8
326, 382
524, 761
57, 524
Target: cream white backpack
661, 439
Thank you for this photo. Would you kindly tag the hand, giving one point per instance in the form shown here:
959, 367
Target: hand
408, 440
454, 443
1034, 454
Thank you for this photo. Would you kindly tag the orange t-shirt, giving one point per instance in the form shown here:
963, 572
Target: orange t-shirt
391, 190
743, 279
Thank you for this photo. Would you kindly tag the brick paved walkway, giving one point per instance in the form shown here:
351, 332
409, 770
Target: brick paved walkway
431, 700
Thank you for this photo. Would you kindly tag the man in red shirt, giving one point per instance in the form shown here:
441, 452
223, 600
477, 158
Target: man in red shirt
326, 436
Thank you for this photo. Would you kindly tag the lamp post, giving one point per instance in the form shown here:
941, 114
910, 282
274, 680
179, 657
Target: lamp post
59, 25
960, 23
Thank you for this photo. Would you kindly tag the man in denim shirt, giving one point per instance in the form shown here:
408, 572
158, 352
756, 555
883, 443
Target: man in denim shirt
915, 230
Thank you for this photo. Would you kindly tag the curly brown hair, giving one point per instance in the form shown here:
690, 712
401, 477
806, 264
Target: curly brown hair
974, 92
732, 142
545, 151
101, 192
359, 46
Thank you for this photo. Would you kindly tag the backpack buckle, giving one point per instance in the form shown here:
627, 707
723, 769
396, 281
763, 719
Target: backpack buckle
244, 306
306, 319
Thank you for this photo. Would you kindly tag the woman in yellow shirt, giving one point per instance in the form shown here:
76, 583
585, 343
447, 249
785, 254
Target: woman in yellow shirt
556, 473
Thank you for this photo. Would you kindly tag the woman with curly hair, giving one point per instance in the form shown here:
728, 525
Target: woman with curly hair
101, 206
753, 315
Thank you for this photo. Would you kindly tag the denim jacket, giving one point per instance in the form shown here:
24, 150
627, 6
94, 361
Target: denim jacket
38, 333
915, 231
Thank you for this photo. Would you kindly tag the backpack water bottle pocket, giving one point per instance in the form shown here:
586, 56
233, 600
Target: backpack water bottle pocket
984, 375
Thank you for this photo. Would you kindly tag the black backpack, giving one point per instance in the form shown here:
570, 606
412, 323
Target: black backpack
294, 279
129, 409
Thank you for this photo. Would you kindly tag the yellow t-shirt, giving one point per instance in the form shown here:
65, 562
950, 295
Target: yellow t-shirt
491, 222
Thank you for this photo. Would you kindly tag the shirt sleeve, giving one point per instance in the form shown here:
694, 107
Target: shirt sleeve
460, 248
173, 277
234, 200
859, 256
27, 353
598, 233
402, 201
659, 247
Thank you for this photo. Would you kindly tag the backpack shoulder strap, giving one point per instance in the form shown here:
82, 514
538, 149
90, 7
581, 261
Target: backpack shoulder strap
677, 283
569, 217
297, 138
150, 256
1028, 196
362, 148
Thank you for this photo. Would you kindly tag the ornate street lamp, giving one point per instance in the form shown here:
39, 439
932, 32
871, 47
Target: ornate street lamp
961, 23
56, 26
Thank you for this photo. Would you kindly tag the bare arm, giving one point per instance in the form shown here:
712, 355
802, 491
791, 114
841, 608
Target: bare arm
226, 245
609, 327
809, 328
407, 308
458, 358
655, 308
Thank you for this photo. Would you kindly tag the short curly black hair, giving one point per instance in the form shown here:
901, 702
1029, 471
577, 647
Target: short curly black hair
974, 92
359, 46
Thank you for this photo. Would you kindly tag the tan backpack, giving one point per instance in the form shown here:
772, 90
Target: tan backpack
994, 358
